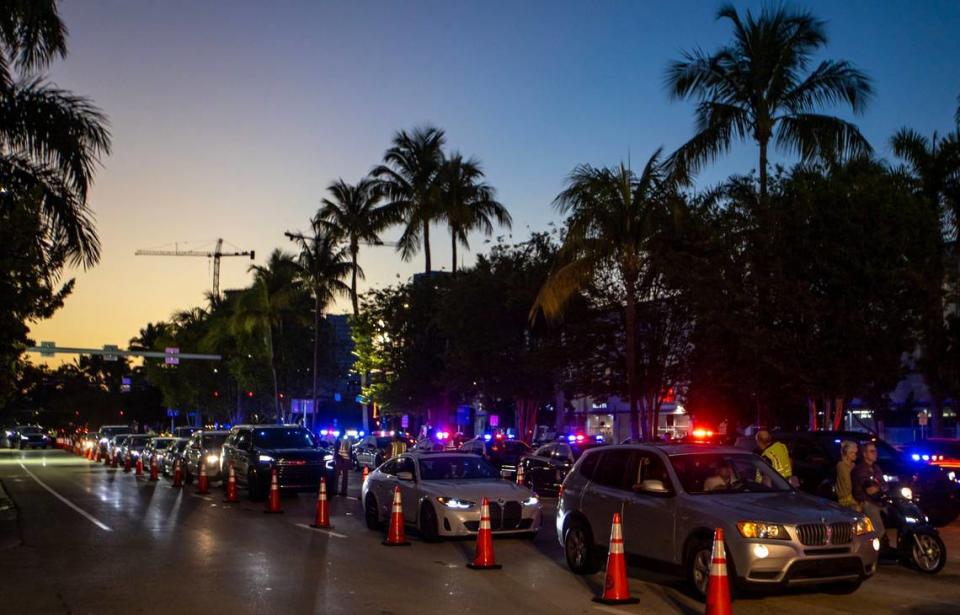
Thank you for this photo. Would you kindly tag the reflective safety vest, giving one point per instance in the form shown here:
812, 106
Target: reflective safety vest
779, 457
397, 447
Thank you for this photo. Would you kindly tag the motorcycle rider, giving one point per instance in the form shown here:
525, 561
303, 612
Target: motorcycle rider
869, 487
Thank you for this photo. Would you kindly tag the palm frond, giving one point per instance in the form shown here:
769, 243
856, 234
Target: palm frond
825, 137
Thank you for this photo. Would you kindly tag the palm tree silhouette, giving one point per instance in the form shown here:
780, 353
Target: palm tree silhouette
51, 140
353, 215
408, 178
321, 267
758, 88
612, 217
467, 203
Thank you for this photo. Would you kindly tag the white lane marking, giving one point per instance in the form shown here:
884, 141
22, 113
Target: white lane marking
89, 517
320, 529
610, 609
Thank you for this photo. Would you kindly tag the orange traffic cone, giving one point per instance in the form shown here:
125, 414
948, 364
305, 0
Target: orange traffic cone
396, 536
616, 588
139, 468
521, 479
273, 499
154, 470
484, 559
323, 513
366, 473
177, 474
126, 464
231, 486
203, 485
718, 587
113, 461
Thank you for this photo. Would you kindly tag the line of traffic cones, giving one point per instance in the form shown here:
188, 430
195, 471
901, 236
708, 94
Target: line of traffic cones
323, 513
231, 486
126, 464
521, 480
616, 588
484, 559
139, 467
273, 497
718, 586
154, 470
203, 485
396, 537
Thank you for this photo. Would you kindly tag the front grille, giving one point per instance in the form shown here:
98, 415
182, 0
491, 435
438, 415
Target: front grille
298, 475
825, 568
512, 513
474, 526
496, 516
816, 534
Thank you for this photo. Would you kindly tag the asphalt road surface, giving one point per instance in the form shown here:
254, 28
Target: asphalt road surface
95, 540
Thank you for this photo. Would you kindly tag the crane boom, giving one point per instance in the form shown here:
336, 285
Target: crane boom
216, 255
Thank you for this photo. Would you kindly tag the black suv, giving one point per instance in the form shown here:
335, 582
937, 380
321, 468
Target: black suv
815, 455
255, 450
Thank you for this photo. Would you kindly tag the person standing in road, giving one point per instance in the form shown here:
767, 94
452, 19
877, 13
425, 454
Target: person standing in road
398, 446
844, 484
869, 486
775, 453
341, 466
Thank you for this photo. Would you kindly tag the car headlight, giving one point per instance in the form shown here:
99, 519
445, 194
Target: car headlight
328, 457
952, 475
134, 453
266, 459
23, 437
213, 458
531, 501
456, 503
889, 478
103, 440
862, 526
758, 529
906, 492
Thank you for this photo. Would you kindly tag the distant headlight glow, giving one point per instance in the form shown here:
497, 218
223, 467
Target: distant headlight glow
265, 459
213, 458
907, 493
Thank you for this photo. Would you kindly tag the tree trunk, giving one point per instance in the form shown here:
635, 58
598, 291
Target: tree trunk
316, 355
453, 251
426, 245
763, 169
812, 410
936, 415
353, 279
630, 320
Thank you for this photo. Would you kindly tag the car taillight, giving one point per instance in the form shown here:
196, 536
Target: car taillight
560, 493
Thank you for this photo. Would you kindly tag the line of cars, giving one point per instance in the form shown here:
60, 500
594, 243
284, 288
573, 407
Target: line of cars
25, 437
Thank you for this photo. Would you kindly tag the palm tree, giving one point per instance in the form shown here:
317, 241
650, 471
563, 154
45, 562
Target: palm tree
408, 178
611, 220
758, 88
321, 268
467, 202
353, 215
51, 140
934, 164
262, 309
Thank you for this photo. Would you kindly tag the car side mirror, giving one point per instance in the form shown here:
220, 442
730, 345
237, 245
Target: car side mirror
651, 486
405, 475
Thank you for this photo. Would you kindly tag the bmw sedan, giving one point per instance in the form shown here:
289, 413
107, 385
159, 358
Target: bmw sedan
672, 497
442, 495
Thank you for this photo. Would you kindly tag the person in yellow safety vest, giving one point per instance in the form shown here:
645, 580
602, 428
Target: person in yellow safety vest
398, 446
775, 453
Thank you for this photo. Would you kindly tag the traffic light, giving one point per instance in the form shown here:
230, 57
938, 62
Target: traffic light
216, 394
249, 393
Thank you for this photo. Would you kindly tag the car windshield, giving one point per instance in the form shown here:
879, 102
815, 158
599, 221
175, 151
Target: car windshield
160, 443
29, 430
182, 444
214, 440
110, 431
294, 437
579, 449
138, 441
701, 473
510, 447
459, 467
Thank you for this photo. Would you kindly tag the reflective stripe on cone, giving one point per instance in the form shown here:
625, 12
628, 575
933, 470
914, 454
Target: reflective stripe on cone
484, 559
395, 535
616, 587
718, 586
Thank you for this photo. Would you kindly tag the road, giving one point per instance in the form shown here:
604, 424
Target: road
96, 540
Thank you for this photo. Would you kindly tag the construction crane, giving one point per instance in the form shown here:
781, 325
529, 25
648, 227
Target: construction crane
216, 255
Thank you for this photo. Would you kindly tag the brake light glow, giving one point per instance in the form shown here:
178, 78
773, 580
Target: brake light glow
701, 433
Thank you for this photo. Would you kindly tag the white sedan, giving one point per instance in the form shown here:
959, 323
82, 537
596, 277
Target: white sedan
442, 494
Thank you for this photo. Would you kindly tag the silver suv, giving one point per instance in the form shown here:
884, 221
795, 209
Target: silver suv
672, 497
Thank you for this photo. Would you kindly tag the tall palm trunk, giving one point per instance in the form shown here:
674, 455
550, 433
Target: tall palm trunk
453, 249
630, 320
316, 355
763, 169
354, 248
426, 244
273, 373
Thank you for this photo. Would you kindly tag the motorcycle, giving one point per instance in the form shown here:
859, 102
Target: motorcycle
918, 543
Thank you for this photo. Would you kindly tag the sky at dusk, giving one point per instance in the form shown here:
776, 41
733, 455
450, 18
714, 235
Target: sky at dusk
229, 119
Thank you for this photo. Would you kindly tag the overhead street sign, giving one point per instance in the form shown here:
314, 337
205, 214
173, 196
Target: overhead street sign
46, 349
110, 353
171, 356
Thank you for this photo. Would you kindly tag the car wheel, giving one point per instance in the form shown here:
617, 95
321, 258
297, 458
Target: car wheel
582, 556
698, 566
371, 513
429, 528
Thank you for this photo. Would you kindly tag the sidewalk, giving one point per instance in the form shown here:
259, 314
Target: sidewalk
9, 527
